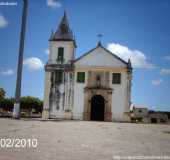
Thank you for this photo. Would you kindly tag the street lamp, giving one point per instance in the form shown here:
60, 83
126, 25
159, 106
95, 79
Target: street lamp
16, 111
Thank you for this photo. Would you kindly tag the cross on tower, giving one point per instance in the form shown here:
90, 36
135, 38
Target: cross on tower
99, 38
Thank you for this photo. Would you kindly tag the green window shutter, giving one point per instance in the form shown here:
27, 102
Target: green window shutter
58, 77
116, 78
80, 77
60, 53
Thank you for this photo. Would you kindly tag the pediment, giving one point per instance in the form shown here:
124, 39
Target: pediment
100, 57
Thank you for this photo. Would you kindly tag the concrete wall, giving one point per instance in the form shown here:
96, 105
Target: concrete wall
54, 112
47, 85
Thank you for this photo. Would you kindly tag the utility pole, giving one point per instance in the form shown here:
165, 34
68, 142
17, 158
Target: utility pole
16, 111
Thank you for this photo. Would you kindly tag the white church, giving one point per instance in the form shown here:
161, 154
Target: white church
95, 86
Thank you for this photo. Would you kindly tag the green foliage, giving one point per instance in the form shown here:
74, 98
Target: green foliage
2, 93
30, 103
7, 104
27, 103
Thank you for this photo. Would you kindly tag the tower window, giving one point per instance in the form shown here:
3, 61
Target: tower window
80, 77
58, 77
116, 78
60, 54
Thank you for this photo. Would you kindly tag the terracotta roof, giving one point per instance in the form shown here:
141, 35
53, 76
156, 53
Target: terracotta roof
63, 32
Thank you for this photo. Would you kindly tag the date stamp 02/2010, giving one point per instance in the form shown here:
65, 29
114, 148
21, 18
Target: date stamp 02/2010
18, 143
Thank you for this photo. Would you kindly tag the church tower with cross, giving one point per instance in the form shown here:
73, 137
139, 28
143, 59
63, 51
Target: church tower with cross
95, 86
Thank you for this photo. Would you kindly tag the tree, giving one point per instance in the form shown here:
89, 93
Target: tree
30, 103
7, 104
2, 93
27, 103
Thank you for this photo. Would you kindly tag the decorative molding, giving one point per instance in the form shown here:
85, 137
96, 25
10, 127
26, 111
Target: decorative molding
98, 69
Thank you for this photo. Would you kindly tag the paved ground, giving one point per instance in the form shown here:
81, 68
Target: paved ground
82, 140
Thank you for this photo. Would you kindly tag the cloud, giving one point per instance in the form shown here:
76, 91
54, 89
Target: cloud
33, 63
138, 58
6, 72
3, 21
157, 82
165, 71
167, 57
47, 51
53, 3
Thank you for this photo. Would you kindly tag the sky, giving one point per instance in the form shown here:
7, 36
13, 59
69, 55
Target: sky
135, 29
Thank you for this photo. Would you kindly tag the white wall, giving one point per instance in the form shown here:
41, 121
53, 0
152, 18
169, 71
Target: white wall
119, 100
78, 107
99, 58
68, 50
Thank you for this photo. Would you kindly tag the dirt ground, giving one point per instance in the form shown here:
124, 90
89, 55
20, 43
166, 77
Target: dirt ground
84, 140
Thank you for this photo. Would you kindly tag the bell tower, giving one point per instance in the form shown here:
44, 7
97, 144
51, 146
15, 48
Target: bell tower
62, 43
59, 74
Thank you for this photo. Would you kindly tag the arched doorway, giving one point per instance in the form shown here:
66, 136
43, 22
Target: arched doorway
97, 108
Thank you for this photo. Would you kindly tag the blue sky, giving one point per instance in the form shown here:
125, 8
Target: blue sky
139, 29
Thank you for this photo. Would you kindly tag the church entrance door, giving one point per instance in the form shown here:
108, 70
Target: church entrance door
97, 108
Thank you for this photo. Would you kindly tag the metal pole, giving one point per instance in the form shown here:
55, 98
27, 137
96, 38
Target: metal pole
16, 111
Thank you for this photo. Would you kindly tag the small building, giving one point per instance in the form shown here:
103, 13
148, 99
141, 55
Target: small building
158, 117
142, 114
139, 114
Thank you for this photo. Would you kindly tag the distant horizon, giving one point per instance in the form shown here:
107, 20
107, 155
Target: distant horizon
138, 30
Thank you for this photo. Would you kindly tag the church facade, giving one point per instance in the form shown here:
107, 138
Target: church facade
95, 86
